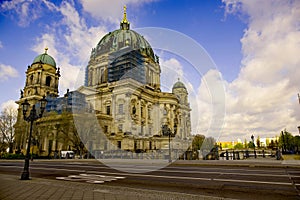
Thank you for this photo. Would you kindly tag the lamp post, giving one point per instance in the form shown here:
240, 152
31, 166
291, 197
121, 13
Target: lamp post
31, 118
165, 131
299, 103
252, 137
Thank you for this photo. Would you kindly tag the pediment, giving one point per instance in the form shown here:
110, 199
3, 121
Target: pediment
87, 90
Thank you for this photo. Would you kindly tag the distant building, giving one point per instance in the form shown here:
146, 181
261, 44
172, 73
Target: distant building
122, 90
264, 142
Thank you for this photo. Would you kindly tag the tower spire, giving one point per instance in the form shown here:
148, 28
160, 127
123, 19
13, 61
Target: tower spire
124, 15
124, 25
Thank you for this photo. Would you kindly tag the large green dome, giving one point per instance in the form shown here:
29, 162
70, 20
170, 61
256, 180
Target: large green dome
45, 59
116, 40
123, 37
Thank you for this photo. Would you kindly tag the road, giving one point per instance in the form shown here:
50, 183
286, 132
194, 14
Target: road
210, 179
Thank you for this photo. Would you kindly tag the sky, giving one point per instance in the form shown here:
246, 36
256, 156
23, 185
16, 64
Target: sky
254, 46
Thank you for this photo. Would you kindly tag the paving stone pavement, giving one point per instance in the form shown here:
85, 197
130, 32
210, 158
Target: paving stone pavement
11, 188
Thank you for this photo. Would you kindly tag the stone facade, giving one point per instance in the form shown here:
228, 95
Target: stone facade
120, 106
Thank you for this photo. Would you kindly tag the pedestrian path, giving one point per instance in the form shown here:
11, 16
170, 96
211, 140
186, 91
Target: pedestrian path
259, 162
11, 188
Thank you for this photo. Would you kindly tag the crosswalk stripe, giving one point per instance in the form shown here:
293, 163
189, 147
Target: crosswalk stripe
90, 178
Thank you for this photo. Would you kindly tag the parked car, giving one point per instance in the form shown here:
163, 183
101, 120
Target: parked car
67, 154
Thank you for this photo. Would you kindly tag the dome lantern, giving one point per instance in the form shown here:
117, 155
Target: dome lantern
124, 25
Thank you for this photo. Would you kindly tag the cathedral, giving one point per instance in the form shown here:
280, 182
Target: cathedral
120, 106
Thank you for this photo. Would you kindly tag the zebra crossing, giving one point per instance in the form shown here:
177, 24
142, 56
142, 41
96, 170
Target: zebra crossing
90, 178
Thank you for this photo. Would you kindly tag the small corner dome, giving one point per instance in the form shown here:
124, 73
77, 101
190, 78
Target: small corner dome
45, 59
179, 84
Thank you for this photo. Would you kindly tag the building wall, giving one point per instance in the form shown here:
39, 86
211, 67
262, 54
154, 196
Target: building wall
121, 106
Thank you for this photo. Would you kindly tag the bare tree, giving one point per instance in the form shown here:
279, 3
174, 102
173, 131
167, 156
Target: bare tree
69, 136
7, 120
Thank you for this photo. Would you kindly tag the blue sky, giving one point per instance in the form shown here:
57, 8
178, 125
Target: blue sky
252, 43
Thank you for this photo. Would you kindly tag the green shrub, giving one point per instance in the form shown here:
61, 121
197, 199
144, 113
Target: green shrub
12, 156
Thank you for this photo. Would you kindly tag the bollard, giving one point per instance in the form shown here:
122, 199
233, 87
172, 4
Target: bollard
278, 154
247, 154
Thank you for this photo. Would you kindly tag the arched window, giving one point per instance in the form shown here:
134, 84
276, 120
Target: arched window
149, 113
90, 78
165, 112
133, 110
31, 79
102, 76
48, 81
142, 112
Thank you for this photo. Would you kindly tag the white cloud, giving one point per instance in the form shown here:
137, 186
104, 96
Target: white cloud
69, 43
1, 45
79, 37
69, 39
171, 71
69, 72
9, 104
262, 100
7, 71
205, 115
109, 10
26, 11
209, 113
46, 40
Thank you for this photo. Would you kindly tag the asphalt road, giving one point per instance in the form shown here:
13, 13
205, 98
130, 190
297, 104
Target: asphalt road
210, 179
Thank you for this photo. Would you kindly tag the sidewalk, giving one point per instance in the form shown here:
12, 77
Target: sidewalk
252, 162
258, 162
11, 188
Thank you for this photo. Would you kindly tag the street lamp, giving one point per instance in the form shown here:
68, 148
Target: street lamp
165, 131
252, 137
31, 118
